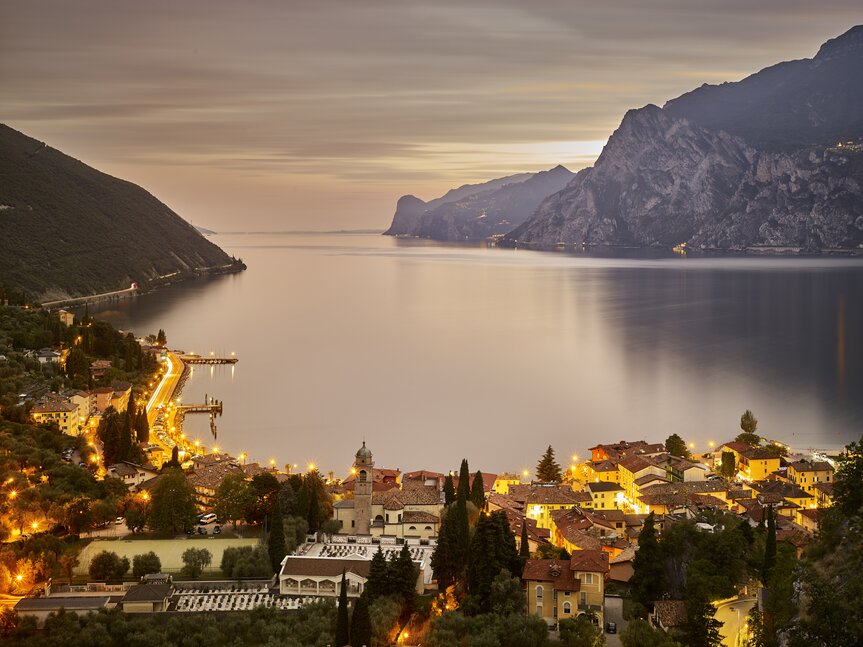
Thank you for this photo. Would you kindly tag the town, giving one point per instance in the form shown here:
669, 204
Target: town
107, 508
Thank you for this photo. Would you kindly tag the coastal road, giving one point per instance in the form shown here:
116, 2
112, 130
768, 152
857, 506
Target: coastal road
730, 614
163, 394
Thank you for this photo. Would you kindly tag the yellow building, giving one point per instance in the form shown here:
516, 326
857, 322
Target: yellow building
63, 414
539, 501
598, 471
503, 482
807, 474
604, 496
635, 473
559, 589
824, 494
753, 463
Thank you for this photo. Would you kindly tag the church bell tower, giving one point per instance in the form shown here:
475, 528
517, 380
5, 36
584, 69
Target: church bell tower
364, 466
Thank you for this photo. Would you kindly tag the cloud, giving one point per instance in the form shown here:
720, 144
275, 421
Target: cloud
379, 92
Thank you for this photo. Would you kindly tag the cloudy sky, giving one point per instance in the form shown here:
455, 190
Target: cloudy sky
281, 114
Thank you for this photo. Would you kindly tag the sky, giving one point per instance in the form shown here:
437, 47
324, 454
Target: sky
270, 115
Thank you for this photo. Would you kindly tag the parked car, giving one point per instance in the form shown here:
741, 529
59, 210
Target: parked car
119, 520
202, 530
207, 518
611, 627
217, 530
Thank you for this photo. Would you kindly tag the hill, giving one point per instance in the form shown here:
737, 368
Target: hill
67, 229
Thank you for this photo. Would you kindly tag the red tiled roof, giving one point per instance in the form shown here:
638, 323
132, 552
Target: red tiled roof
591, 561
557, 571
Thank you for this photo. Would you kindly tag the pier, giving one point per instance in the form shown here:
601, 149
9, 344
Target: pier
201, 359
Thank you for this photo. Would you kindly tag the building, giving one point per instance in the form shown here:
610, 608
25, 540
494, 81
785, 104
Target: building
66, 318
63, 414
412, 512
753, 463
99, 368
47, 356
322, 576
620, 450
503, 482
84, 402
539, 500
637, 472
131, 474
207, 478
558, 589
604, 495
148, 597
806, 474
41, 608
824, 494
604, 470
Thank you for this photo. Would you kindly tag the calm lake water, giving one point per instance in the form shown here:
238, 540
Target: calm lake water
434, 352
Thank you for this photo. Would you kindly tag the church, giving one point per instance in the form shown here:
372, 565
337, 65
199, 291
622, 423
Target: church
412, 512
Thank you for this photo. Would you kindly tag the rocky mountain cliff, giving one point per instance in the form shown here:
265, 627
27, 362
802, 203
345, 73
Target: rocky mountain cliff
67, 229
480, 211
775, 160
409, 208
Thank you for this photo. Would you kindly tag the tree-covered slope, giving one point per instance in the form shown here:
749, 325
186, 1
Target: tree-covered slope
67, 229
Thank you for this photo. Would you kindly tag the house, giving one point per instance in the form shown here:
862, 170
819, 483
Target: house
147, 597
604, 495
808, 518
131, 474
120, 396
503, 482
604, 470
540, 500
669, 615
620, 450
637, 472
101, 399
99, 368
83, 400
322, 576
824, 494
207, 478
785, 497
753, 463
41, 608
47, 356
558, 589
423, 477
621, 565
63, 414
66, 318
807, 474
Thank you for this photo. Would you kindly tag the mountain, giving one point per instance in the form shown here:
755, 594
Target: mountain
775, 160
480, 210
67, 229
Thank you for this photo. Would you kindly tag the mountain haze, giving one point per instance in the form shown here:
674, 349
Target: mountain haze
67, 229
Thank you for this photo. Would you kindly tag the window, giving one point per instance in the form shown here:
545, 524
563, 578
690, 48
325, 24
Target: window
588, 578
539, 592
412, 528
362, 476
428, 528
539, 609
567, 608
353, 523
566, 594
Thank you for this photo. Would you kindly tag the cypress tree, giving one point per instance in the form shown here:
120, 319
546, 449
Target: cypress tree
404, 579
276, 546
314, 512
142, 427
342, 628
524, 549
477, 491
448, 490
361, 623
647, 577
377, 585
769, 547
464, 481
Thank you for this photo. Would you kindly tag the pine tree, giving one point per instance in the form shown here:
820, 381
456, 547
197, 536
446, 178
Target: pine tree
749, 425
161, 339
404, 579
769, 547
477, 491
448, 490
361, 623
647, 577
342, 627
547, 469
276, 545
377, 585
492, 549
142, 427
524, 549
464, 481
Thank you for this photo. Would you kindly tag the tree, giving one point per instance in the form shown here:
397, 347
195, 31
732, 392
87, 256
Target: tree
108, 566
450, 555
492, 548
477, 491
161, 338
701, 629
769, 547
403, 578
145, 564
647, 577
728, 466
234, 497
547, 469
276, 546
748, 423
448, 490
142, 427
676, 446
342, 626
639, 633
136, 516
195, 560
507, 596
848, 486
67, 565
361, 623
524, 548
378, 584
581, 632
172, 505
463, 493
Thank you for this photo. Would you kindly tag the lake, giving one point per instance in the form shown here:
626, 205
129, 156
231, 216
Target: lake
436, 352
